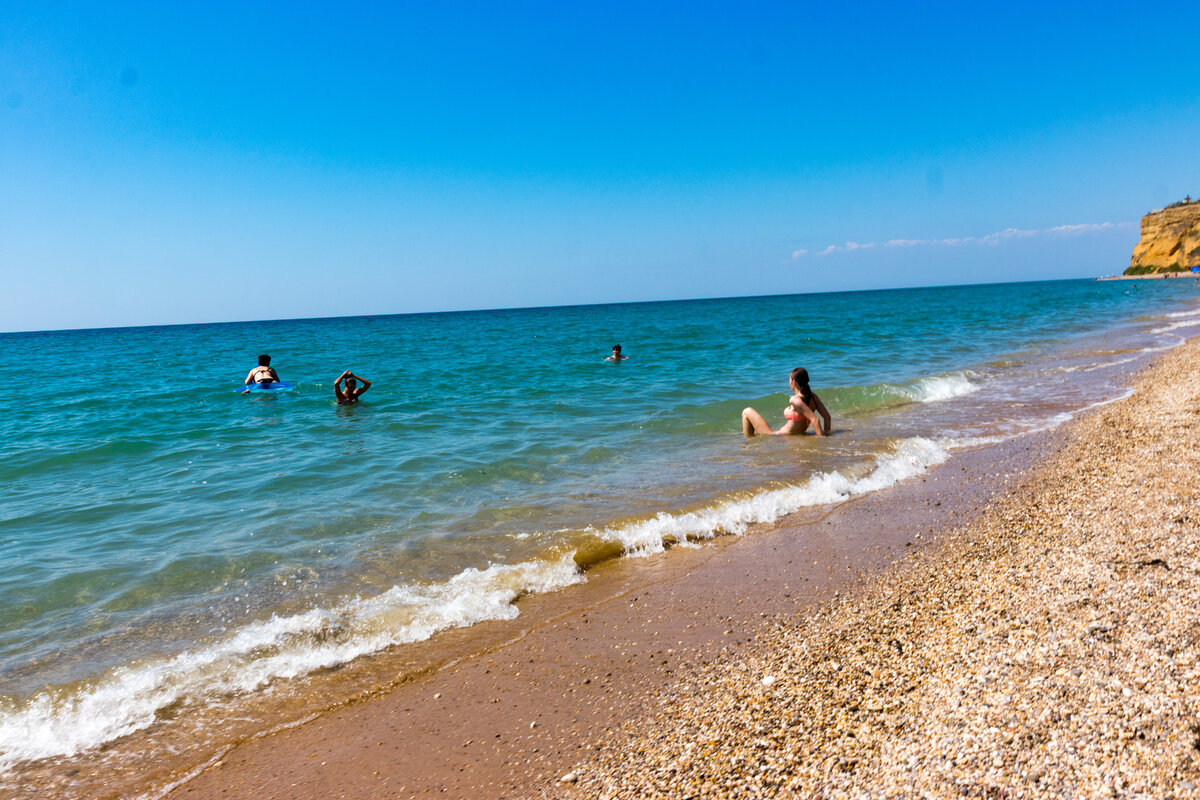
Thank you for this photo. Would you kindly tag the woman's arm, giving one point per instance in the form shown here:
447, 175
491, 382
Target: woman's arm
808, 413
824, 414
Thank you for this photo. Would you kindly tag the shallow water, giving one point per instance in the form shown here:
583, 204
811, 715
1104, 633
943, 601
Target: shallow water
172, 545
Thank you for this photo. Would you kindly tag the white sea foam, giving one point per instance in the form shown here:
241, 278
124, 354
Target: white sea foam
1128, 392
1066, 416
1026, 428
911, 457
941, 387
62, 722
1094, 367
1177, 314
1191, 322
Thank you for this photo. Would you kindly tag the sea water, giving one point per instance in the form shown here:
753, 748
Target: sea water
171, 545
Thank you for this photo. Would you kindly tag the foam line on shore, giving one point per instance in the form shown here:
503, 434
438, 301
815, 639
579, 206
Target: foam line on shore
1191, 322
64, 721
910, 457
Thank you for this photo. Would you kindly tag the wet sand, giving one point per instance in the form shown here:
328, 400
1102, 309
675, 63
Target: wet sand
566, 683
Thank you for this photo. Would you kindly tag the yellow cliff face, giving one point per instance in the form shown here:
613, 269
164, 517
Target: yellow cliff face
1170, 240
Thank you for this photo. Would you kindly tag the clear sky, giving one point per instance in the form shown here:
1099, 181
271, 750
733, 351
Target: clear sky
191, 162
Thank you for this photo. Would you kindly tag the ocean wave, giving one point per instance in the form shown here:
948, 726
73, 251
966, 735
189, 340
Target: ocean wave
63, 721
942, 387
932, 389
911, 457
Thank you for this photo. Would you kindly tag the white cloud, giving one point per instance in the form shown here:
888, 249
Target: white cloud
1076, 230
991, 240
1005, 235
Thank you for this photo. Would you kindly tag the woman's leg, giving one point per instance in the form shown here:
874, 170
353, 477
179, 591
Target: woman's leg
753, 423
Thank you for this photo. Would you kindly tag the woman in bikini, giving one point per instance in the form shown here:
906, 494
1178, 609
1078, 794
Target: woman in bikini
264, 373
802, 409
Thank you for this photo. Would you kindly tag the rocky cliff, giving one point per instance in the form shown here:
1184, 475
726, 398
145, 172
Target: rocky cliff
1170, 240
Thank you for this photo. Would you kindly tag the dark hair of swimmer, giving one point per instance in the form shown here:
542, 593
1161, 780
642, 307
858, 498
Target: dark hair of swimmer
616, 348
264, 361
800, 378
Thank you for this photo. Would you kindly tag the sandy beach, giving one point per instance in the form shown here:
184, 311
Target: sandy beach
1018, 622
1048, 650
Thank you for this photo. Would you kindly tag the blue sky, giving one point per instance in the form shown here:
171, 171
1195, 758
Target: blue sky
168, 163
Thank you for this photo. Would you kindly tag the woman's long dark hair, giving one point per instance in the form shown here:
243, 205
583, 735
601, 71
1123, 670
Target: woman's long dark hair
800, 378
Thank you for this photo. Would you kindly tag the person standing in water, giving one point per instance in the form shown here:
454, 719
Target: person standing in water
802, 409
616, 356
263, 373
352, 391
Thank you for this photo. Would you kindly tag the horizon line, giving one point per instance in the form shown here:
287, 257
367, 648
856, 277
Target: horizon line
528, 308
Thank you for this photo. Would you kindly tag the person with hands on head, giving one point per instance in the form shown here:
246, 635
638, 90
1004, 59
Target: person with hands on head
352, 391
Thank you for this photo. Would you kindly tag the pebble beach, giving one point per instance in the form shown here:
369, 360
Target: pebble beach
1047, 648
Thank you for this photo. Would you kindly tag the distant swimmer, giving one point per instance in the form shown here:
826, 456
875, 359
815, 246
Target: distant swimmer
802, 409
616, 356
352, 391
263, 373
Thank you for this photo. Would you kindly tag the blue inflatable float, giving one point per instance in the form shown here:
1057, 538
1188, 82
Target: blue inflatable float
266, 386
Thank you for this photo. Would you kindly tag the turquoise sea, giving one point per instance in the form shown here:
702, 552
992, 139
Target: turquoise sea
171, 546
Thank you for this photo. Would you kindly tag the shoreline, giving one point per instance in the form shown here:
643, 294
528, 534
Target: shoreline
610, 694
1048, 650
572, 671
582, 666
1150, 277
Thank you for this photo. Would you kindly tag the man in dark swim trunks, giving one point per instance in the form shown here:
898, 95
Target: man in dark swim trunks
263, 373
352, 391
